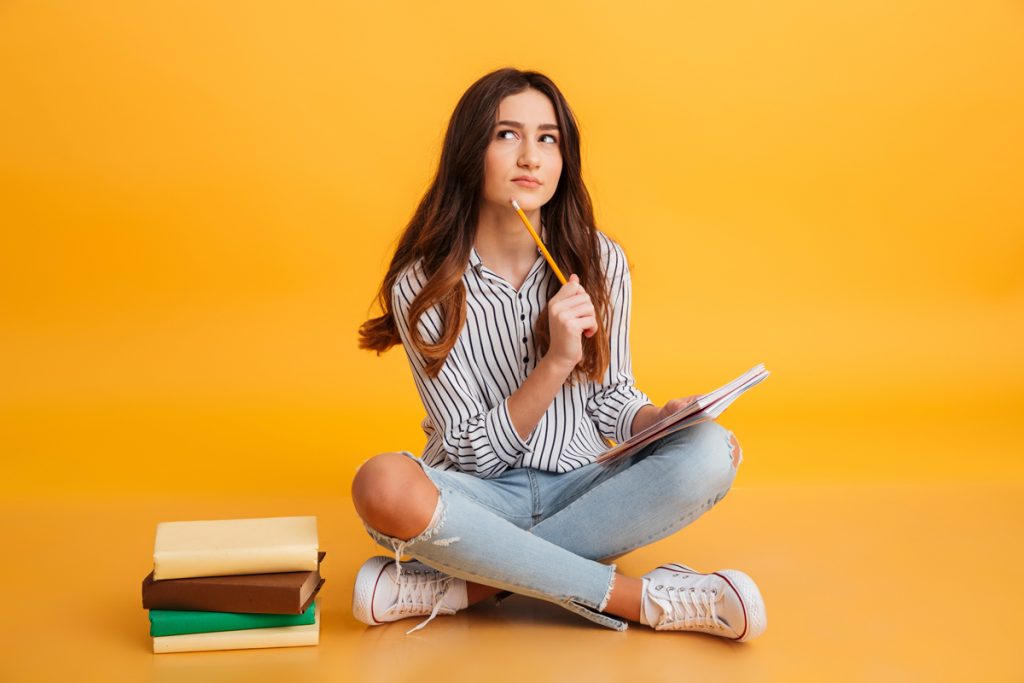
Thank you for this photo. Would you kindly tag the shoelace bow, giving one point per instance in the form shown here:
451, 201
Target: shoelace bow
692, 606
418, 590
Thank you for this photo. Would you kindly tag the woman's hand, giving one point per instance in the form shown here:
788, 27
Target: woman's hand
674, 406
649, 415
570, 313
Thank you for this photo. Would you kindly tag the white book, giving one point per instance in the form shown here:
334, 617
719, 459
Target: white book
247, 639
225, 547
706, 407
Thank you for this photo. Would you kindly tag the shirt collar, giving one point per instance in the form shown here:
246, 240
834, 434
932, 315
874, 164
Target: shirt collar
474, 259
478, 265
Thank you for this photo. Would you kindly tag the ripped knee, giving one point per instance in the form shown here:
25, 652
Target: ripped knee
399, 544
392, 494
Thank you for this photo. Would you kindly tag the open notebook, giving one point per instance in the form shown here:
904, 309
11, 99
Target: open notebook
706, 407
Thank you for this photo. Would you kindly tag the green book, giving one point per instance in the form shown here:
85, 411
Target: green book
172, 622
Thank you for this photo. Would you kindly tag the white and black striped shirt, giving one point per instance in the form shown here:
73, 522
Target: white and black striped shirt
468, 426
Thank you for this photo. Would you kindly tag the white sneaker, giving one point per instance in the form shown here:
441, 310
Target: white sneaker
386, 592
726, 603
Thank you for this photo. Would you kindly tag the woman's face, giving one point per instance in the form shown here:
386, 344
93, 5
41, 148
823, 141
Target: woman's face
524, 142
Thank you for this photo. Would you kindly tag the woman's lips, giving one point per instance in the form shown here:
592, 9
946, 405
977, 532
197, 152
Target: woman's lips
523, 182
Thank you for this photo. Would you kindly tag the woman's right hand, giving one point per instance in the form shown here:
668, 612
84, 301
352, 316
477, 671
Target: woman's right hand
570, 313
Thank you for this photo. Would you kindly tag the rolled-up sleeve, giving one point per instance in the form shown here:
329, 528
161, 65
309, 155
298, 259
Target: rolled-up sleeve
616, 400
478, 439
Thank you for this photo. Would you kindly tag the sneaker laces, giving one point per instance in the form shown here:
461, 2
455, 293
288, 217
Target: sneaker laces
419, 591
691, 606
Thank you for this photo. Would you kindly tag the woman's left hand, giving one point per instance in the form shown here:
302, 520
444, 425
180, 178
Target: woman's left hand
674, 406
648, 415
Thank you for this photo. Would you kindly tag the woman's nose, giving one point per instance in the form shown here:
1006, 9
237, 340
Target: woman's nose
528, 154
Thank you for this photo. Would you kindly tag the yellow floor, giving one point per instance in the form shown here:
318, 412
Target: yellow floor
863, 582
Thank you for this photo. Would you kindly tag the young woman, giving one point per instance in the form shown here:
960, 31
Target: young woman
525, 382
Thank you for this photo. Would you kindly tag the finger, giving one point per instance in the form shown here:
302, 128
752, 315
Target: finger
582, 322
678, 404
568, 290
684, 403
565, 310
578, 319
579, 325
579, 295
573, 284
560, 305
581, 308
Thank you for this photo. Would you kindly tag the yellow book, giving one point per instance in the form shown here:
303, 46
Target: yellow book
225, 547
247, 639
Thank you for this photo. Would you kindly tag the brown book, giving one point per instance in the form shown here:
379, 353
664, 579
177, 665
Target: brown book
277, 593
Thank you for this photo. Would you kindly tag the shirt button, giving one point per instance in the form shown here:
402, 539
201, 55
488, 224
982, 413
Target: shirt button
526, 359
522, 317
524, 340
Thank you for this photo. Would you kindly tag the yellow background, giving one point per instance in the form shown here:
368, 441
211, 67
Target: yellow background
199, 200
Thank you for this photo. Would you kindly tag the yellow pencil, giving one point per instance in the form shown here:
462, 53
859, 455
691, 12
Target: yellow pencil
536, 238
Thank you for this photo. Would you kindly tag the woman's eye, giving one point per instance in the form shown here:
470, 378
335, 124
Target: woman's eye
501, 133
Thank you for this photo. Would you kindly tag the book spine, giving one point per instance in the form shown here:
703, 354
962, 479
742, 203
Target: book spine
223, 598
235, 640
177, 622
182, 564
279, 636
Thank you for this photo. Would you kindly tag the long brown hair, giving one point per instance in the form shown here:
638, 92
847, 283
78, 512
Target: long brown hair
442, 230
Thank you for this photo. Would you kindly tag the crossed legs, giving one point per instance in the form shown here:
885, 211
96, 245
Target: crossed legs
394, 496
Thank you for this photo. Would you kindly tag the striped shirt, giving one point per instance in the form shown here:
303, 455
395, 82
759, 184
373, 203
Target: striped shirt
468, 425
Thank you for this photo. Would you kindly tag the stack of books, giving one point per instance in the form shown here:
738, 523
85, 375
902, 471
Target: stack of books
234, 584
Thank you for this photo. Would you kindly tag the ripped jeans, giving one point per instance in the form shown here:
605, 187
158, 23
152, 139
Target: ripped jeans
545, 534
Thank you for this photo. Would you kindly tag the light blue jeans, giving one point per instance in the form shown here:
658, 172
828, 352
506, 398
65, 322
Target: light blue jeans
545, 534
